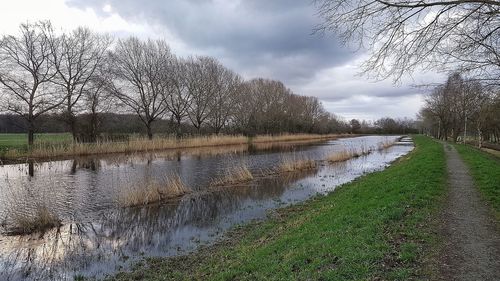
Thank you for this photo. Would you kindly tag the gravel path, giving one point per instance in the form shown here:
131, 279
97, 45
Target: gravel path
471, 233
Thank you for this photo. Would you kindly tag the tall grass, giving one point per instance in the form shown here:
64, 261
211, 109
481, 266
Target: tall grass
234, 175
158, 143
293, 163
28, 211
152, 192
346, 154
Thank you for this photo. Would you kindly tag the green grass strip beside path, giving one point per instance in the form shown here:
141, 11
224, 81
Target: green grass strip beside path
485, 170
377, 226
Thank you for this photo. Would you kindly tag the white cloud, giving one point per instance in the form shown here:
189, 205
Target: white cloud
15, 12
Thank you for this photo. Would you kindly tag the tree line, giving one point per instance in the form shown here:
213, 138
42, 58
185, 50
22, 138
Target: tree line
462, 108
80, 75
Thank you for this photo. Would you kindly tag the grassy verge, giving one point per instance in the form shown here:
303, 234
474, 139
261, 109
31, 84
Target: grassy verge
375, 227
485, 170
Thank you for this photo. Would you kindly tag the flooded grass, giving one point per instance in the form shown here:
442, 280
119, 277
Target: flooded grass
385, 144
376, 227
40, 220
233, 176
293, 164
152, 192
346, 154
29, 211
64, 149
340, 156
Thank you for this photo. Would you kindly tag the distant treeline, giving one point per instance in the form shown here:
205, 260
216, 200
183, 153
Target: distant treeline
111, 124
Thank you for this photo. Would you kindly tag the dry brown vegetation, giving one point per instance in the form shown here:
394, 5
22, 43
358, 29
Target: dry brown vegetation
296, 164
152, 192
40, 220
236, 175
385, 144
346, 154
339, 156
156, 144
29, 211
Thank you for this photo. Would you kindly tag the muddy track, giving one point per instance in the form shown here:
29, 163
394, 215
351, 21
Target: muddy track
470, 232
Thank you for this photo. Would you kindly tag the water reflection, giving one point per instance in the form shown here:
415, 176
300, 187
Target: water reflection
97, 237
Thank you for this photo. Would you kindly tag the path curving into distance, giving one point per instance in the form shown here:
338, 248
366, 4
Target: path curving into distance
471, 233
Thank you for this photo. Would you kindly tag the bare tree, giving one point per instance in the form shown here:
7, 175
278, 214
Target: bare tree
97, 100
177, 98
26, 72
139, 70
405, 34
201, 79
226, 85
76, 57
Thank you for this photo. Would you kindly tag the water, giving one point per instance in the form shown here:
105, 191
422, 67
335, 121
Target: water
98, 237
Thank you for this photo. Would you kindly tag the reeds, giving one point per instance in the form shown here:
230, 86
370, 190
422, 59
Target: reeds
29, 210
385, 144
293, 164
152, 192
339, 156
40, 220
158, 143
233, 176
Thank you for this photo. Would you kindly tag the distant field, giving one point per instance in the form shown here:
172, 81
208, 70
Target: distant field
20, 141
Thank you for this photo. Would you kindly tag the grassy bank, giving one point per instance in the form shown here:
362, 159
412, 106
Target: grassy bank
63, 148
485, 170
375, 227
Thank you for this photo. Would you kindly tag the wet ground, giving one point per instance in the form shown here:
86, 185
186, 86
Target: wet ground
99, 237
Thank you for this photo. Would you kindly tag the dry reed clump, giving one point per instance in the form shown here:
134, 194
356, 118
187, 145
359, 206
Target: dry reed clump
339, 156
40, 220
28, 211
152, 192
385, 144
159, 143
234, 175
293, 164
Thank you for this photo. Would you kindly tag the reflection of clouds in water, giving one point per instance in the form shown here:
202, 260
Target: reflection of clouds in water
100, 237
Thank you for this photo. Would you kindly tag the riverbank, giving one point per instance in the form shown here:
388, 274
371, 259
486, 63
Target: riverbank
379, 226
62, 149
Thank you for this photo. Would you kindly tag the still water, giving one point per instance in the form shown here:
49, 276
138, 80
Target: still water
98, 237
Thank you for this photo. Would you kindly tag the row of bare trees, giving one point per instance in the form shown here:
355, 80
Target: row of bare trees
461, 108
80, 73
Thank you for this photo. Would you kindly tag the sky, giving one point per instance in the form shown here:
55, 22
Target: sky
256, 38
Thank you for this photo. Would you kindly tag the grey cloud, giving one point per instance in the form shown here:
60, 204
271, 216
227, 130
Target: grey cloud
253, 37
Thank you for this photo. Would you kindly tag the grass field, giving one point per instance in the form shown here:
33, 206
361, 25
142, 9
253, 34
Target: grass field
20, 141
485, 169
378, 227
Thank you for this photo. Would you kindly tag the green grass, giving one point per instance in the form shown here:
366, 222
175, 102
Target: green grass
20, 141
379, 226
485, 170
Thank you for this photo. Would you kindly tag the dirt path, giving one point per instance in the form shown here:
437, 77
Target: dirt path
472, 236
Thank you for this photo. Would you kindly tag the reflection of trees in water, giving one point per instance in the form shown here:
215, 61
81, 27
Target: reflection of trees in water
131, 231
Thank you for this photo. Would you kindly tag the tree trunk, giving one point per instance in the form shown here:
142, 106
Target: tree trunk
150, 132
178, 127
93, 127
31, 134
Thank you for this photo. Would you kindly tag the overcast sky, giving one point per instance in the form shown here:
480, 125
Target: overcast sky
256, 38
